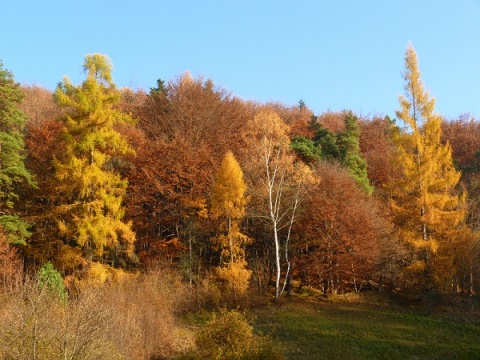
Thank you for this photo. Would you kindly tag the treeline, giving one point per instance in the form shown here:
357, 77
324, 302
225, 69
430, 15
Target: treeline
102, 182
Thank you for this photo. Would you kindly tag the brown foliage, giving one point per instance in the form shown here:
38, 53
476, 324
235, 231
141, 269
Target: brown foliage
183, 134
464, 136
296, 118
340, 235
38, 104
376, 148
133, 319
11, 265
43, 142
332, 121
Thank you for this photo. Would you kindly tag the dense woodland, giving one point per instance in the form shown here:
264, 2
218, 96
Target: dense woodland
230, 199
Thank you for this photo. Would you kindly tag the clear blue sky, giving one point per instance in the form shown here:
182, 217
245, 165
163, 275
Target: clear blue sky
334, 54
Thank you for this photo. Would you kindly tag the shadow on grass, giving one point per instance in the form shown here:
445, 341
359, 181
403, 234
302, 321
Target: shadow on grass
314, 330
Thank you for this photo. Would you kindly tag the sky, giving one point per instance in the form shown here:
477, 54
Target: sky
334, 55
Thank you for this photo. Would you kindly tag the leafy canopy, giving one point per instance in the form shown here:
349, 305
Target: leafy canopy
89, 183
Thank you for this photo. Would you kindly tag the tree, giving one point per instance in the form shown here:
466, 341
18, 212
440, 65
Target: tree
376, 147
227, 203
279, 184
341, 237
40, 206
325, 139
425, 204
51, 279
349, 144
12, 150
89, 184
464, 135
11, 265
38, 104
183, 132
343, 146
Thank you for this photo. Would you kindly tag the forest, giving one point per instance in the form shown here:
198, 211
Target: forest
123, 210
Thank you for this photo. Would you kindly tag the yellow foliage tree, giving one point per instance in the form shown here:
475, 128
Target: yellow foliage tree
279, 184
427, 208
228, 203
89, 186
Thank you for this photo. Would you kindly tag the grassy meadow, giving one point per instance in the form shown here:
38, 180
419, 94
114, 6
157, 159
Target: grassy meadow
358, 327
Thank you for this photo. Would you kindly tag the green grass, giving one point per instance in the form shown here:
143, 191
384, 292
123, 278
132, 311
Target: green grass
362, 329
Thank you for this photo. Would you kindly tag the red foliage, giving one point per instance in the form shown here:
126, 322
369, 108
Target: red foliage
182, 135
298, 119
464, 136
38, 104
332, 121
11, 265
377, 148
340, 234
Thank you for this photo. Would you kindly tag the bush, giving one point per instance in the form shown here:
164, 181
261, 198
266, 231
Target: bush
52, 281
132, 319
230, 336
36, 325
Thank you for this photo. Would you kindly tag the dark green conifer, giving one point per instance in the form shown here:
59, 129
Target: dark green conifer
12, 149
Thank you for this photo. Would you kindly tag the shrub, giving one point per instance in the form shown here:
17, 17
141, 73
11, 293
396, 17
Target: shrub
230, 336
132, 319
52, 281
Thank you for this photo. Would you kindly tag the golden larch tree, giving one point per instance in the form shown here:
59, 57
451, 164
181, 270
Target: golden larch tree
426, 206
227, 204
89, 183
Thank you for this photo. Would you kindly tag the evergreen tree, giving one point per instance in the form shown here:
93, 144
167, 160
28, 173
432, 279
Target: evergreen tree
306, 149
325, 140
349, 144
12, 149
343, 147
90, 186
51, 279
426, 206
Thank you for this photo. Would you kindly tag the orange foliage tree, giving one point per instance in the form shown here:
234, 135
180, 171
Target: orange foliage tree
184, 129
227, 204
340, 238
425, 203
376, 147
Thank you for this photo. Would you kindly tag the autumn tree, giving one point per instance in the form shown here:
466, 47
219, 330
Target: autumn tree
376, 147
11, 265
227, 203
39, 104
12, 153
426, 206
342, 238
39, 207
297, 117
464, 136
185, 127
89, 183
279, 185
